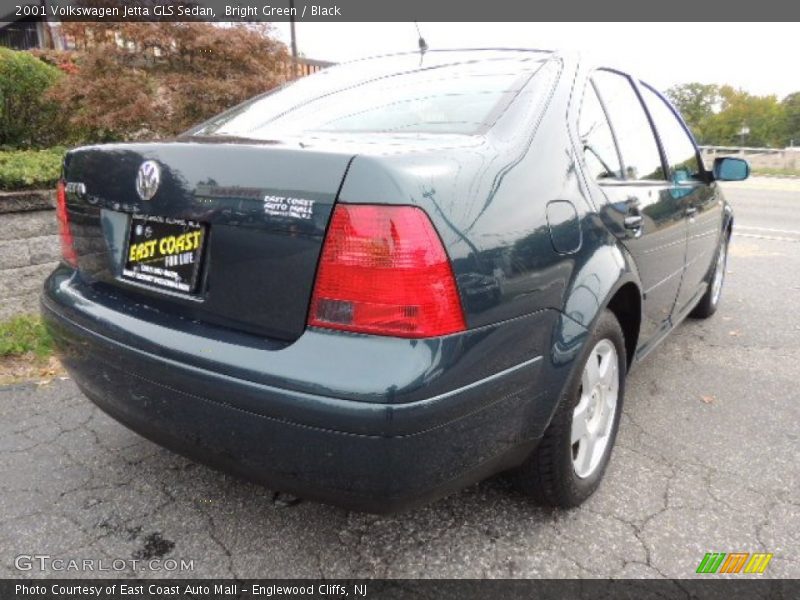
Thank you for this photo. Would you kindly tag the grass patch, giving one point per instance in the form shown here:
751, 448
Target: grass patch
776, 172
25, 335
26, 352
30, 169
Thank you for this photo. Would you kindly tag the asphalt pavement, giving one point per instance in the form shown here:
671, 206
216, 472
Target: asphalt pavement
706, 461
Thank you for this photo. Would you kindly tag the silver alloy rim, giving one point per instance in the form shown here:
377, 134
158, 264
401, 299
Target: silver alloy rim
593, 417
719, 273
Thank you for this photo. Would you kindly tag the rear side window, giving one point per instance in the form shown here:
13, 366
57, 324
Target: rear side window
641, 158
460, 97
599, 149
681, 153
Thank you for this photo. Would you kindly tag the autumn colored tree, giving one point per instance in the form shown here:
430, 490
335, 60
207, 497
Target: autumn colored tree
144, 80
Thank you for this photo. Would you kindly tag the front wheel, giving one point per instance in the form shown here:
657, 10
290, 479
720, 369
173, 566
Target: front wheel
573, 454
710, 301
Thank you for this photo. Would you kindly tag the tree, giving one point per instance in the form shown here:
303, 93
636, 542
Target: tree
138, 80
762, 115
697, 103
791, 113
717, 115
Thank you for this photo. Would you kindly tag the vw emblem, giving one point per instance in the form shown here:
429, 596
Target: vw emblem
147, 179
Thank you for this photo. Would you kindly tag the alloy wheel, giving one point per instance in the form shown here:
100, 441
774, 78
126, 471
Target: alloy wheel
719, 273
593, 417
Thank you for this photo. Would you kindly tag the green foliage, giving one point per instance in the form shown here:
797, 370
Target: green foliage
791, 110
30, 169
696, 102
717, 114
28, 116
762, 115
25, 334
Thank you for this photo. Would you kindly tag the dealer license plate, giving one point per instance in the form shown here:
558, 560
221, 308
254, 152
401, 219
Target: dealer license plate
164, 253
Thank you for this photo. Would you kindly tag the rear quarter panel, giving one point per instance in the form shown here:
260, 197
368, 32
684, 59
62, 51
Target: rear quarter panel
489, 202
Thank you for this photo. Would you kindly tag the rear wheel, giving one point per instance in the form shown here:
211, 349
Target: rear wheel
572, 456
710, 301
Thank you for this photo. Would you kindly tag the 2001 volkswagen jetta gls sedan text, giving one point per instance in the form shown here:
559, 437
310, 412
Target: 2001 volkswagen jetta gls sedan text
394, 277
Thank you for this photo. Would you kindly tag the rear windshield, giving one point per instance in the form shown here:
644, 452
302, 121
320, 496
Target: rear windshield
375, 96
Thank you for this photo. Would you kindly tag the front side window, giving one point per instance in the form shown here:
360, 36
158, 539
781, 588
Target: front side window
599, 150
681, 153
641, 158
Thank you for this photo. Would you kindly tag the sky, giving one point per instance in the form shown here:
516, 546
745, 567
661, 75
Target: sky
760, 58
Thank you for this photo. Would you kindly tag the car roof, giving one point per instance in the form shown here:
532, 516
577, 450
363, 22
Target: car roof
416, 60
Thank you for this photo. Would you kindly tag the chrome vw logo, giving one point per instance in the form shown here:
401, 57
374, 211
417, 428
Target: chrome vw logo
147, 179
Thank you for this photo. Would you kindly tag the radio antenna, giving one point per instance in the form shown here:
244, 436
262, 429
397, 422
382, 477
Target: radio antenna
423, 45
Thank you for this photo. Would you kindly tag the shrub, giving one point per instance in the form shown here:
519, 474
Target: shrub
143, 80
29, 117
30, 169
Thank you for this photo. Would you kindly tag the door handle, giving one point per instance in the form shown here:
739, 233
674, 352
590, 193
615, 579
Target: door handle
633, 222
691, 211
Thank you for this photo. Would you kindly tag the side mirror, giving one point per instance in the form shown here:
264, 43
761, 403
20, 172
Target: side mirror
729, 168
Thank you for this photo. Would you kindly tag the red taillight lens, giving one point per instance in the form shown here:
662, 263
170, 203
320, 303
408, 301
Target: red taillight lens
383, 270
64, 232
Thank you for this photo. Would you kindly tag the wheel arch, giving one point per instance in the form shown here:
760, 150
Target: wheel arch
626, 304
728, 227
619, 290
727, 219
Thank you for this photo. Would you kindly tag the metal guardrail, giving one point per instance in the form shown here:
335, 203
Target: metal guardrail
759, 158
746, 150
307, 66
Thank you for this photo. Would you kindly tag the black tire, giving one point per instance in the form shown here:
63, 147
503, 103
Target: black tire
549, 475
710, 302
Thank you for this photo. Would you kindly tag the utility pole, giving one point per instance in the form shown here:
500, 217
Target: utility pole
744, 132
293, 38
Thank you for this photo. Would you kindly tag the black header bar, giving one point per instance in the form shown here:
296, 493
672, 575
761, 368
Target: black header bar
402, 11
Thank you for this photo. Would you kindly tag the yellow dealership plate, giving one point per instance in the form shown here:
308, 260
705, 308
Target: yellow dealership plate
164, 253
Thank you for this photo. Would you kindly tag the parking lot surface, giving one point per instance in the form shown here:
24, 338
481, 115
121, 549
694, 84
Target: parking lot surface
706, 461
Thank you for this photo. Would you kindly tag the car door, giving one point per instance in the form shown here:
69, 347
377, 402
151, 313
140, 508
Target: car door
637, 202
691, 186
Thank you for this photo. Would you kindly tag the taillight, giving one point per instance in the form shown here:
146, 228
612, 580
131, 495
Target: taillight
64, 232
384, 271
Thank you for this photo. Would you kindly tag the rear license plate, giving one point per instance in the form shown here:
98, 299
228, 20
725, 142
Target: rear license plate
164, 253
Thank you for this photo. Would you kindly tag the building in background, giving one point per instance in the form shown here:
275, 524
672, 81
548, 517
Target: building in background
30, 33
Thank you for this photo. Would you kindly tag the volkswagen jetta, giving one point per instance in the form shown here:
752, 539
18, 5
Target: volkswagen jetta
395, 277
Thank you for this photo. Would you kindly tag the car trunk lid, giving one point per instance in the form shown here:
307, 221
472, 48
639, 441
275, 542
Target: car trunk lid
262, 208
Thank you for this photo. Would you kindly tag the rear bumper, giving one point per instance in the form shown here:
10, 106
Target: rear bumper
378, 455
